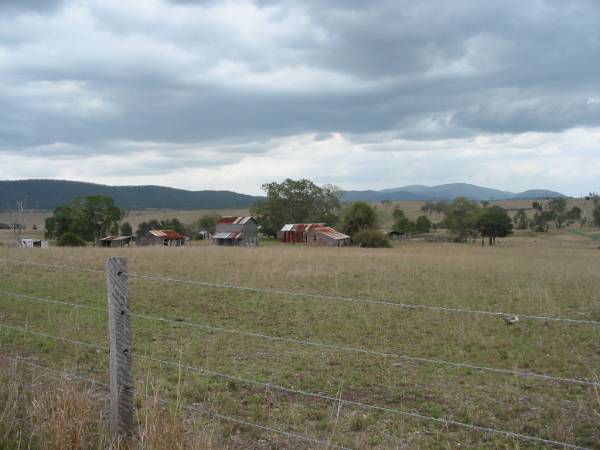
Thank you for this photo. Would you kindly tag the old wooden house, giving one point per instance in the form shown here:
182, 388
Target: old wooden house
116, 241
233, 230
167, 238
327, 236
293, 233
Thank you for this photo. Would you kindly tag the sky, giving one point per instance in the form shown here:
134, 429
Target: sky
361, 94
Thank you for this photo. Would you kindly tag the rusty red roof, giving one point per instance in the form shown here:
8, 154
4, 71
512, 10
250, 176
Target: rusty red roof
167, 234
301, 226
331, 232
235, 219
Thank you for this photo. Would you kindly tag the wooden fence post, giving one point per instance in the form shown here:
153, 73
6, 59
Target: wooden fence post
120, 348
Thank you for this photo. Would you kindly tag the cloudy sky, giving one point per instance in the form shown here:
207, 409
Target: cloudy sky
361, 94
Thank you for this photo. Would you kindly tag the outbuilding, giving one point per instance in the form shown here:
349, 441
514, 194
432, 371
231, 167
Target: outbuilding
33, 243
167, 238
293, 233
236, 230
327, 236
116, 241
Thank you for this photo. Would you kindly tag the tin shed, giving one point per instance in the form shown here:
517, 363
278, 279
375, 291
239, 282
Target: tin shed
236, 230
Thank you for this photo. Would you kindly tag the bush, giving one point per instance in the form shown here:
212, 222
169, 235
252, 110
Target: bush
69, 239
371, 238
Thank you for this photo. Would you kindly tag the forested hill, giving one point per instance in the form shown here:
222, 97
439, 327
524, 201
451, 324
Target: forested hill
48, 194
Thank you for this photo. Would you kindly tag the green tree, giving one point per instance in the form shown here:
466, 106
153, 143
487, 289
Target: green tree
558, 206
423, 224
70, 239
402, 224
169, 224
574, 214
371, 238
90, 218
126, 229
358, 216
596, 215
461, 218
296, 201
208, 222
494, 222
521, 220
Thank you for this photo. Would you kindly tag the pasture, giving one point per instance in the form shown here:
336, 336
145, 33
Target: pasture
552, 275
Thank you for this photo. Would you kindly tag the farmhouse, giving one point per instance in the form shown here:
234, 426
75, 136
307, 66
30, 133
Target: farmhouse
33, 243
232, 230
167, 238
116, 241
327, 236
293, 233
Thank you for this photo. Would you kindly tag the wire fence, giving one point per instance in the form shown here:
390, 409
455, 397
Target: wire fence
287, 340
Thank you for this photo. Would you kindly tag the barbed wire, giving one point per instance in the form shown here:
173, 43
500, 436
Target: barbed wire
96, 347
321, 296
188, 407
336, 347
304, 393
342, 401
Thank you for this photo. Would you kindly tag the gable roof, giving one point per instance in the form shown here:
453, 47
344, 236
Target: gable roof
116, 238
331, 232
241, 220
301, 226
166, 234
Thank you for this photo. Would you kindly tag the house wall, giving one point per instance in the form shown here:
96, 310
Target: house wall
316, 238
156, 240
250, 233
249, 229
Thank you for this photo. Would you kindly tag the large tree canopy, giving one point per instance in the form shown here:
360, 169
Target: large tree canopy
296, 201
494, 222
461, 218
357, 217
90, 218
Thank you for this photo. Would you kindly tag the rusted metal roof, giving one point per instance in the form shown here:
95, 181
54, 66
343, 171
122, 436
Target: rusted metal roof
328, 231
167, 234
301, 226
223, 235
241, 220
116, 238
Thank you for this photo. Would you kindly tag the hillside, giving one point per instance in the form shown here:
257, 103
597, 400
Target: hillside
48, 194
445, 192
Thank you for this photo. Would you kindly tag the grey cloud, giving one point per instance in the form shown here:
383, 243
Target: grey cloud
420, 70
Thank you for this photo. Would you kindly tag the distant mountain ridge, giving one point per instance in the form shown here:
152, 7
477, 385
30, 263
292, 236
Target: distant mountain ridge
48, 194
445, 192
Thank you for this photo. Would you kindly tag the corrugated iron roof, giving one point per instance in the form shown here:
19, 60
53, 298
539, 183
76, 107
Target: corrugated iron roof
301, 226
116, 238
167, 234
328, 231
223, 235
241, 220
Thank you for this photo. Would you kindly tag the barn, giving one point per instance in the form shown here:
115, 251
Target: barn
116, 241
293, 233
327, 236
236, 230
168, 238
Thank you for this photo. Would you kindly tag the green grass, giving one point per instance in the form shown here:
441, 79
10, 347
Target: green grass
528, 280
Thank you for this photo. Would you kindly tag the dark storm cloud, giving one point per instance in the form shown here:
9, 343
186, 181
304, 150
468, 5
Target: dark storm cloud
89, 75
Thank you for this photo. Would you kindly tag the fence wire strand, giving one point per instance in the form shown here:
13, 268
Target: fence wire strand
339, 348
193, 408
321, 296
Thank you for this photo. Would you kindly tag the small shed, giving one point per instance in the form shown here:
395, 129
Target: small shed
116, 241
167, 238
293, 233
397, 236
327, 236
33, 243
236, 230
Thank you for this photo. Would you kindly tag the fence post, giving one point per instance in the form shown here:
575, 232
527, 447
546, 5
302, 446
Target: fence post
120, 348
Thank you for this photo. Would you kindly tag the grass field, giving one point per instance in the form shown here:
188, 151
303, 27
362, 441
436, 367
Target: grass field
551, 275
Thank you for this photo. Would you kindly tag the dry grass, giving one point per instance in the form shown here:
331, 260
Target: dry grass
48, 411
552, 275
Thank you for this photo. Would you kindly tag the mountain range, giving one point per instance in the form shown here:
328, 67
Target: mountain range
48, 194
446, 192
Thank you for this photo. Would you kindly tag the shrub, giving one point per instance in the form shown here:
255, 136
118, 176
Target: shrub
371, 238
69, 239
